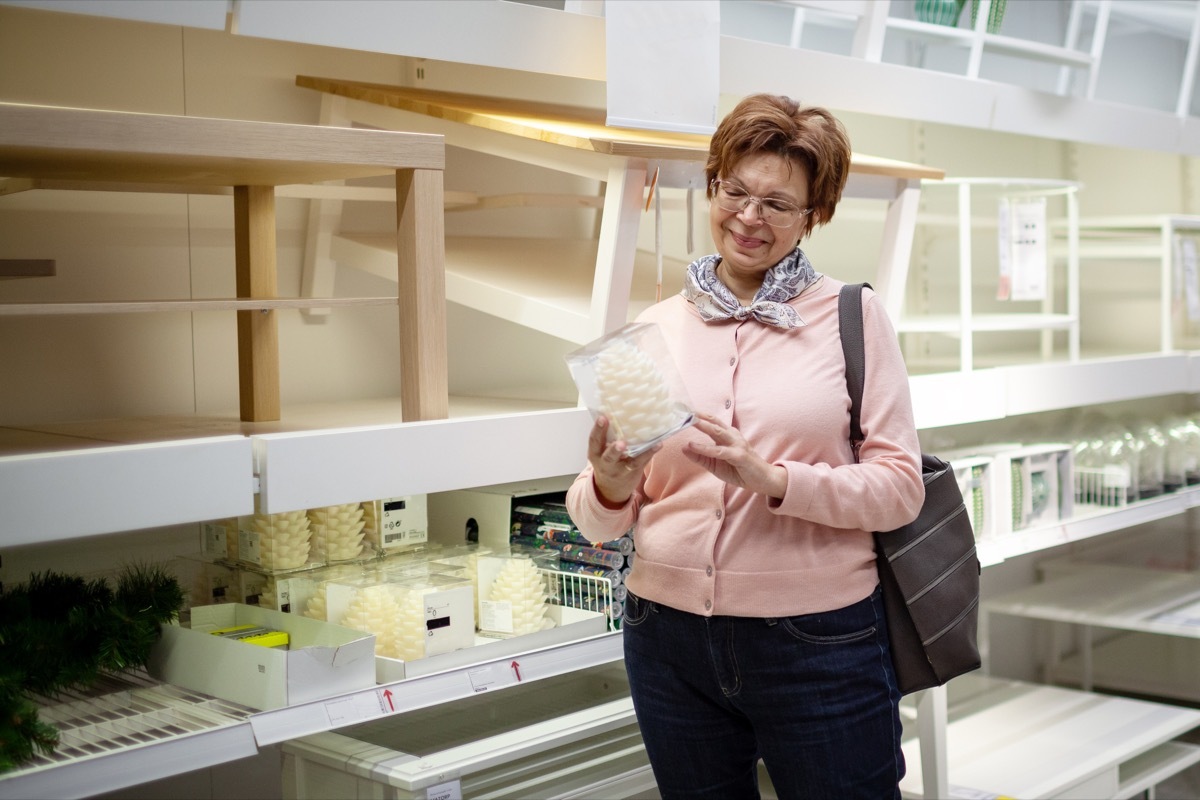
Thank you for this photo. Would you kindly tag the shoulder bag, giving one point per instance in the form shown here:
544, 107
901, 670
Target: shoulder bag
928, 569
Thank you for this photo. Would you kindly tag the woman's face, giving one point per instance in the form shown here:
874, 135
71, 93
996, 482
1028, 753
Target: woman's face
748, 246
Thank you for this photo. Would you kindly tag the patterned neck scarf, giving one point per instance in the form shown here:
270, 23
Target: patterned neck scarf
781, 283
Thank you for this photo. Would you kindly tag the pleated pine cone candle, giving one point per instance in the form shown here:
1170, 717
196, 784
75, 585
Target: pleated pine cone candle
629, 377
337, 532
633, 394
373, 610
317, 606
371, 538
409, 631
283, 539
521, 584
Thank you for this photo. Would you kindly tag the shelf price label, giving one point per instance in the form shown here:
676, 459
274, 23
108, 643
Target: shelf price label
493, 676
359, 707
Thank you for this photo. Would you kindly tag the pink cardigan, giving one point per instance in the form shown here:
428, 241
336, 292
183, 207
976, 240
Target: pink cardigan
708, 548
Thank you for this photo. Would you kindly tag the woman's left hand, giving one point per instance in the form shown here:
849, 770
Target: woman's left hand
730, 458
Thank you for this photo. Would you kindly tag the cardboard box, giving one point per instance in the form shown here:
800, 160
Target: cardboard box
324, 659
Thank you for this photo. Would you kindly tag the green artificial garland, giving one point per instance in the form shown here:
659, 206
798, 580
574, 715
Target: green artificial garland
60, 631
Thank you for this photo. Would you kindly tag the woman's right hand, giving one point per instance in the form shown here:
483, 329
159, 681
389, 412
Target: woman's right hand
615, 475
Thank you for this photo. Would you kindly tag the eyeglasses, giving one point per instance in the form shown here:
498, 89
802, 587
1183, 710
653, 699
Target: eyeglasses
773, 211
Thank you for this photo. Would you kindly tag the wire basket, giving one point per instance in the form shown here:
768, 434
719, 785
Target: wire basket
584, 592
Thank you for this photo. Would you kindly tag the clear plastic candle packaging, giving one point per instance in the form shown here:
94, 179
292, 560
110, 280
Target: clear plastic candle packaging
629, 377
367, 607
315, 605
395, 524
337, 532
512, 596
274, 541
436, 615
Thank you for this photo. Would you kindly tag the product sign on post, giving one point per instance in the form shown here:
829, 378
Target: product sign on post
1187, 280
1023, 249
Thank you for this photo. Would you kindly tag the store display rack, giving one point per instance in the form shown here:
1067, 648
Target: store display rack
124, 476
1095, 522
1105, 596
1067, 743
129, 722
1078, 57
967, 322
1147, 238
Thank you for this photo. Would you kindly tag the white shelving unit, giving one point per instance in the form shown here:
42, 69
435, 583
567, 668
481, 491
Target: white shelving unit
966, 323
1013, 739
873, 22
755, 60
1153, 238
1087, 526
876, 22
384, 452
1105, 596
179, 730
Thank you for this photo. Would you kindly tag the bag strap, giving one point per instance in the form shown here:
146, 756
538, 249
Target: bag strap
854, 351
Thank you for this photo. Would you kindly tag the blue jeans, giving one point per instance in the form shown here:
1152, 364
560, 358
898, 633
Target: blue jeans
813, 696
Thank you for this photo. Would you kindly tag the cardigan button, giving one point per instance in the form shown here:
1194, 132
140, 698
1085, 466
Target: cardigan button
708, 571
728, 403
718, 513
732, 360
708, 605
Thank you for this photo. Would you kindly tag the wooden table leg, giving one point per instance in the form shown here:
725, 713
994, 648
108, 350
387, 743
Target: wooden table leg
421, 284
258, 331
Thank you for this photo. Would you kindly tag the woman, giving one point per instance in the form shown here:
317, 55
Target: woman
754, 625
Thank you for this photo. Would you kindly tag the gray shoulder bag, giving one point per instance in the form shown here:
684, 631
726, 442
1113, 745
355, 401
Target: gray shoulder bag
928, 569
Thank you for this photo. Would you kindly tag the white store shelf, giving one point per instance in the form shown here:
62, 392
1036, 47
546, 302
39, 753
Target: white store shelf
1106, 596
129, 729
62, 494
429, 690
118, 475
390, 460
212, 732
957, 325
1067, 743
1089, 521
1138, 663
562, 736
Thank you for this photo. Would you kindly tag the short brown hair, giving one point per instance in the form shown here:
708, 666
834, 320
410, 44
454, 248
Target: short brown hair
810, 136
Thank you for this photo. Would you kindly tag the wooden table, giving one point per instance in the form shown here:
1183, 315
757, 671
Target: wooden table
575, 140
71, 148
